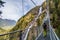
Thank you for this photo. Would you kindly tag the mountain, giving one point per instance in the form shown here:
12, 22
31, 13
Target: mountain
24, 21
7, 24
54, 17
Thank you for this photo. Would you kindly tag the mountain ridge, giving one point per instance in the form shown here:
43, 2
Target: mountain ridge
7, 22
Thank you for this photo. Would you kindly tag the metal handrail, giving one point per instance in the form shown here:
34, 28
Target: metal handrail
33, 23
57, 38
10, 33
25, 29
41, 27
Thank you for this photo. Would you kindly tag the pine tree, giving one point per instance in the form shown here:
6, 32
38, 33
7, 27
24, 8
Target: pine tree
1, 5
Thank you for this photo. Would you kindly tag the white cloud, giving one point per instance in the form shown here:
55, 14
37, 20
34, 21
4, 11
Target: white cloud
13, 8
29, 5
38, 2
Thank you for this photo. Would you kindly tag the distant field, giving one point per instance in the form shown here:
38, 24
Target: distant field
7, 28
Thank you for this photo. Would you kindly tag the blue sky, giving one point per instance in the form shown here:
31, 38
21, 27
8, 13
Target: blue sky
13, 8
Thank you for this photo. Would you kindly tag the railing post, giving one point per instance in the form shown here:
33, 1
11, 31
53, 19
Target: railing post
20, 36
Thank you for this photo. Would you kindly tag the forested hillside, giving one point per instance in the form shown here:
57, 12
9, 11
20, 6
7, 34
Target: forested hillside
26, 19
54, 8
55, 15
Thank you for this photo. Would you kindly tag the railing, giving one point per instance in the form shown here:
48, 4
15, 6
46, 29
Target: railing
32, 32
50, 33
7, 36
33, 23
20, 34
53, 34
41, 28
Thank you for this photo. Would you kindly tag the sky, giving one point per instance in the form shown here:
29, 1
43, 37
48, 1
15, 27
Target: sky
13, 8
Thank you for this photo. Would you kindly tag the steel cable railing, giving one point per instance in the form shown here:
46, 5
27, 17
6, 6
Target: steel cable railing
20, 30
33, 24
53, 34
41, 29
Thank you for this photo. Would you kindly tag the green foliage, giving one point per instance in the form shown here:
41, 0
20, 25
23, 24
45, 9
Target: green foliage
55, 12
24, 21
54, 8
